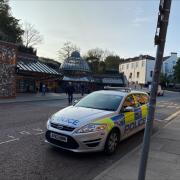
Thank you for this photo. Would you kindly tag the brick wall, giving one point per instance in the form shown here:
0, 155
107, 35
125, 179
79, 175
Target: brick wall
8, 53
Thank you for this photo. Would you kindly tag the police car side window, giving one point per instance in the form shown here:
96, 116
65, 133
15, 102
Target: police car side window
146, 98
129, 101
141, 99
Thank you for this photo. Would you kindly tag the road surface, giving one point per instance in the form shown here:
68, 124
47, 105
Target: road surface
24, 155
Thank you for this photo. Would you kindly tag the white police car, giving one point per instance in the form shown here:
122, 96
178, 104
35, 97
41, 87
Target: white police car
99, 121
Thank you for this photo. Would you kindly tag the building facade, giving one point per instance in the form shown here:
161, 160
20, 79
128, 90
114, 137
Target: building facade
168, 64
31, 74
139, 70
21, 71
76, 70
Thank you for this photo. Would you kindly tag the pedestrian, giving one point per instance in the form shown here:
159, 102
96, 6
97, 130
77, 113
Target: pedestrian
43, 89
141, 86
70, 90
37, 90
82, 89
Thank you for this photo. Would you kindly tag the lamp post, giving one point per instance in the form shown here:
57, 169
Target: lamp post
160, 38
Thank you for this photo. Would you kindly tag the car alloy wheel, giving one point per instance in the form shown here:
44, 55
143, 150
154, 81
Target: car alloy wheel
112, 142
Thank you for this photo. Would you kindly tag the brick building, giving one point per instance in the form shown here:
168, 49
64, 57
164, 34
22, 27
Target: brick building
31, 74
8, 53
21, 71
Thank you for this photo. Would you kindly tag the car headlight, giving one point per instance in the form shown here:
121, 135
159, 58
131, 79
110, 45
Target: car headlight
49, 121
92, 128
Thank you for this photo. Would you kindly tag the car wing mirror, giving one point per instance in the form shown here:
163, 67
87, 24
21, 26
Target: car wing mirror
75, 102
129, 109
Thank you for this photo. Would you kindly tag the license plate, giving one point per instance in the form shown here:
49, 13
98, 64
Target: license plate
58, 137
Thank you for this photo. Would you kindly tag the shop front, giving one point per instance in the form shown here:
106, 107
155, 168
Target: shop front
32, 74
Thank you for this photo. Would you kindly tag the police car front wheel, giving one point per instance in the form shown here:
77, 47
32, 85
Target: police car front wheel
112, 142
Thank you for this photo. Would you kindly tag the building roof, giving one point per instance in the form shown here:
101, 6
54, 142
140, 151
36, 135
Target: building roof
75, 63
141, 57
76, 79
165, 58
33, 65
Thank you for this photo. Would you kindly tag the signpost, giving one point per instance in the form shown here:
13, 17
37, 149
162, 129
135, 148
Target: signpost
160, 38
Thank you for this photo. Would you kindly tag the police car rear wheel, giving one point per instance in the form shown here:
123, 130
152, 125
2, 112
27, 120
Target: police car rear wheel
112, 142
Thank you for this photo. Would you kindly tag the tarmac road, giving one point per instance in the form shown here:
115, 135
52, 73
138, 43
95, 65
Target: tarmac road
24, 155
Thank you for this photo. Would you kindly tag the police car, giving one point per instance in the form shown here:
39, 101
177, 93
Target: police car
99, 121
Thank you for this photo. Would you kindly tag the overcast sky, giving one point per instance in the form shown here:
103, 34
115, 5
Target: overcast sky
126, 27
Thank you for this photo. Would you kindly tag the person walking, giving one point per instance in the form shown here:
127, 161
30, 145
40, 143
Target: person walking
43, 89
82, 89
70, 90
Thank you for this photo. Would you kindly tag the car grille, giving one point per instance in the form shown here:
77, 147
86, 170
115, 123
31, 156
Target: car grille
62, 127
70, 144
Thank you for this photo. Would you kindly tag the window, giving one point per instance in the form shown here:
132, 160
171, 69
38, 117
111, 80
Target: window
136, 64
143, 63
122, 67
132, 65
151, 73
130, 75
174, 62
98, 100
166, 68
127, 66
138, 74
141, 99
129, 101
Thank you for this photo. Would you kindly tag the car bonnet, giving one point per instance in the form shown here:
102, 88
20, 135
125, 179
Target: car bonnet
78, 116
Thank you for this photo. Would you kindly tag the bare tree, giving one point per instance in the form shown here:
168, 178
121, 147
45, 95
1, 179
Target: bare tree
98, 54
66, 50
95, 54
31, 36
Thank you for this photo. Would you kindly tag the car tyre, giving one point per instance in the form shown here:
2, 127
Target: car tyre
112, 142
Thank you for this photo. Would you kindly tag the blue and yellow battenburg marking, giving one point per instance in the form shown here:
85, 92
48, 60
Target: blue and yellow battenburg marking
129, 120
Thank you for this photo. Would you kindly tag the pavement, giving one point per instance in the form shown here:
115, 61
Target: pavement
163, 161
28, 97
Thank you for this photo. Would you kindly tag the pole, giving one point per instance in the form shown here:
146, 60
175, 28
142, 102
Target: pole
163, 19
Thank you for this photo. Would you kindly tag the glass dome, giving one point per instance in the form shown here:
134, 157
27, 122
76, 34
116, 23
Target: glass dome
75, 63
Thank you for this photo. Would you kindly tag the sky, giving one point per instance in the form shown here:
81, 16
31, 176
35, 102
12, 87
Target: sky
125, 27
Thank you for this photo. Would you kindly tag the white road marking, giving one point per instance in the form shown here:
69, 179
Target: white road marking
161, 106
25, 132
170, 106
39, 131
11, 137
172, 116
4, 142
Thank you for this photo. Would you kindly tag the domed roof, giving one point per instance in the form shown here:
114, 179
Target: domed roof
75, 54
75, 63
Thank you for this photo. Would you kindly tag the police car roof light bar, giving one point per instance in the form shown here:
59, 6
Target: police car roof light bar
123, 89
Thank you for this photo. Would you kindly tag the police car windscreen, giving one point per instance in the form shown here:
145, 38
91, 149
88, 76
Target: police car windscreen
101, 101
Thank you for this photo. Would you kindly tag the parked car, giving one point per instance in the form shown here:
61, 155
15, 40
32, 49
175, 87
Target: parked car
160, 91
99, 121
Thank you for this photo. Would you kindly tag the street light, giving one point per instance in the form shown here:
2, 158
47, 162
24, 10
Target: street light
160, 38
